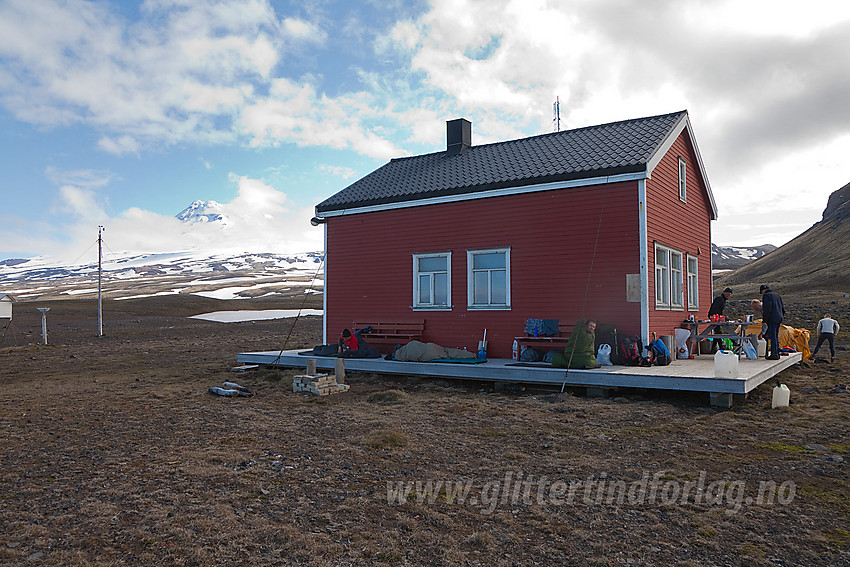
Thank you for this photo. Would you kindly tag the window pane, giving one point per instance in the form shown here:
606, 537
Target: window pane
441, 289
677, 287
660, 278
499, 288
493, 260
425, 289
676, 260
432, 264
661, 258
480, 288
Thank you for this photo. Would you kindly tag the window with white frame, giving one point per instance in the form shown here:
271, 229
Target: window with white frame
668, 277
489, 279
676, 287
432, 276
693, 283
683, 181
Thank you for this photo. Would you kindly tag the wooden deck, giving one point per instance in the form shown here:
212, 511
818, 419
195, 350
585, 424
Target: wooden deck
689, 375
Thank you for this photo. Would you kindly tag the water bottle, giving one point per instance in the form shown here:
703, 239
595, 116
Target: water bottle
516, 350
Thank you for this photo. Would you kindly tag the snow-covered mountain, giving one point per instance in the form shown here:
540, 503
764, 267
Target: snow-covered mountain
732, 257
239, 276
203, 212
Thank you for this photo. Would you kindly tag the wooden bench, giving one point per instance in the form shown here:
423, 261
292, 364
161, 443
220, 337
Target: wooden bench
395, 332
548, 343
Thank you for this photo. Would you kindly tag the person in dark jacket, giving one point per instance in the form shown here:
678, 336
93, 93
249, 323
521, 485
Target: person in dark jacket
773, 311
717, 307
719, 303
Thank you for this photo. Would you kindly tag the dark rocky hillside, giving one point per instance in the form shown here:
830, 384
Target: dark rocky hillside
817, 260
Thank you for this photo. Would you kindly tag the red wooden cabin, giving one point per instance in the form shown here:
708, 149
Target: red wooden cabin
610, 222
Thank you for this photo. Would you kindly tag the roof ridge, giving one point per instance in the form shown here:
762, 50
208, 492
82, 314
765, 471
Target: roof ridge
559, 133
589, 127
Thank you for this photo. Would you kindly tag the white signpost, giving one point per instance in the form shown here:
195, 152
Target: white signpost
44, 311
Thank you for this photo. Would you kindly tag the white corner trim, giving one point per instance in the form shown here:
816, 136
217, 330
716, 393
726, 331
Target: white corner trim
644, 263
325, 290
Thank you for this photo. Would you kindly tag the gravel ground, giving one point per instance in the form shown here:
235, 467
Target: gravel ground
115, 453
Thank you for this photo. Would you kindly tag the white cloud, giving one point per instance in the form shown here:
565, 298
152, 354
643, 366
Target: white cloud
260, 219
167, 78
119, 146
186, 72
338, 171
296, 113
303, 29
761, 91
82, 204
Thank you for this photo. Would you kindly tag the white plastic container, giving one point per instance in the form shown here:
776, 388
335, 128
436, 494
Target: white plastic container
725, 364
762, 348
781, 396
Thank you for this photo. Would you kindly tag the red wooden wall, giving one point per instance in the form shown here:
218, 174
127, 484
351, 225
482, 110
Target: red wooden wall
552, 236
682, 226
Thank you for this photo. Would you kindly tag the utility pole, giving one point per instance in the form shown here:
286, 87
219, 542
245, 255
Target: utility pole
99, 280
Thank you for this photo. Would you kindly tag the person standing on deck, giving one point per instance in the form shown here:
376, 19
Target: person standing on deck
773, 311
717, 307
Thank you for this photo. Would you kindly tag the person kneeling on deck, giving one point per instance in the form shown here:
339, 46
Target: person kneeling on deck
579, 352
347, 342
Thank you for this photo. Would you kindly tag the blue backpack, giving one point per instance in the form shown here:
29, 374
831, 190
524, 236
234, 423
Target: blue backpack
659, 353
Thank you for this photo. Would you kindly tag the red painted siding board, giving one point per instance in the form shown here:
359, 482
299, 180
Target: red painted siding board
552, 236
683, 226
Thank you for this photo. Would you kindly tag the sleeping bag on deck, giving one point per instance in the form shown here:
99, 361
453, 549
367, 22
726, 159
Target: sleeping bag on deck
580, 350
416, 351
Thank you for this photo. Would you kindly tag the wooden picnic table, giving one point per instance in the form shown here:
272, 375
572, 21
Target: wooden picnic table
733, 330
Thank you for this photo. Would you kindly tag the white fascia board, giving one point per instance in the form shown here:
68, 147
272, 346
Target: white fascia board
684, 124
492, 193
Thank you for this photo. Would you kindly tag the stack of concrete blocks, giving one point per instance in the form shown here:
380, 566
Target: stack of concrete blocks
318, 384
321, 384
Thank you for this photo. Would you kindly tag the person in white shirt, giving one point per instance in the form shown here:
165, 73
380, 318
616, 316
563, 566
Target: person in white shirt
827, 329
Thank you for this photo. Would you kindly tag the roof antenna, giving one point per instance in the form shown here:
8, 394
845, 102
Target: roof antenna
557, 111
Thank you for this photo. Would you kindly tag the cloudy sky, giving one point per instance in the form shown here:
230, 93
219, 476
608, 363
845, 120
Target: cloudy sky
122, 113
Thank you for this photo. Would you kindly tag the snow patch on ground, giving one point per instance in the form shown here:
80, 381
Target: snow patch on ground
258, 315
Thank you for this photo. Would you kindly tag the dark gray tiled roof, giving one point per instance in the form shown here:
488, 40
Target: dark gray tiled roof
607, 149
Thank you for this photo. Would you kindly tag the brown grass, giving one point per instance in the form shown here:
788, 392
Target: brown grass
115, 454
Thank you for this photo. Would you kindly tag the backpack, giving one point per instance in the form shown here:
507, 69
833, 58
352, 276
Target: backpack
529, 354
606, 334
631, 352
659, 354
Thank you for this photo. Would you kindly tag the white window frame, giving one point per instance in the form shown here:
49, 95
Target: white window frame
470, 285
683, 181
669, 291
677, 294
417, 276
693, 283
